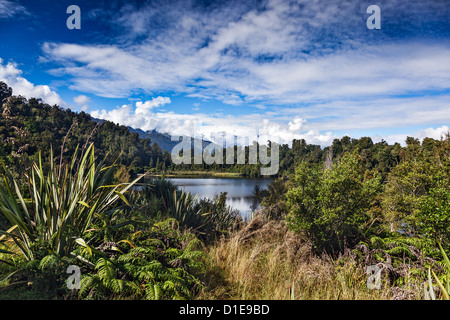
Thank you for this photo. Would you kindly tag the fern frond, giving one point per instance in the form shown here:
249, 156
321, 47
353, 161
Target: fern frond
49, 262
105, 269
87, 283
153, 291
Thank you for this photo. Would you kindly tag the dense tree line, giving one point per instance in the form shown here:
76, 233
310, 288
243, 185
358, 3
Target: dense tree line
380, 156
370, 193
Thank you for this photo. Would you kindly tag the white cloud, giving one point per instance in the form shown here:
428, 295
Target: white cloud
296, 124
143, 107
210, 127
9, 9
310, 65
377, 113
364, 74
11, 75
434, 133
82, 101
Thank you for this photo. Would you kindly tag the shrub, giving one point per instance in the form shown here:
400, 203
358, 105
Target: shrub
334, 207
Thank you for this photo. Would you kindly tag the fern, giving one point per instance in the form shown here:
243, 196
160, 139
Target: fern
153, 291
49, 262
106, 269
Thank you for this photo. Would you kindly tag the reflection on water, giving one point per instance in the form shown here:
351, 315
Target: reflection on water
239, 190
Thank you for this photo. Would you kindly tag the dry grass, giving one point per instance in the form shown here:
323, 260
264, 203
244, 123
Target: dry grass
266, 261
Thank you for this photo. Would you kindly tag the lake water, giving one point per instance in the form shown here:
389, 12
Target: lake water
239, 190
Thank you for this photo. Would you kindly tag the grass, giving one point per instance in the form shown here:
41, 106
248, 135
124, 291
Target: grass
266, 261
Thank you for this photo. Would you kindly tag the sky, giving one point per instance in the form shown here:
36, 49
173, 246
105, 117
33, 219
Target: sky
280, 69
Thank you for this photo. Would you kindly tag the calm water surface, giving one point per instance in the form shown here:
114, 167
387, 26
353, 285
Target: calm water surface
239, 190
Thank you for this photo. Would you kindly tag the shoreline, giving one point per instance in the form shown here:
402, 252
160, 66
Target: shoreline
186, 174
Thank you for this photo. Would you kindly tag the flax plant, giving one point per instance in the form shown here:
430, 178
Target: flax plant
444, 289
61, 203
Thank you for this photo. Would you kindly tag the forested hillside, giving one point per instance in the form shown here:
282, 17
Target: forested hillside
29, 126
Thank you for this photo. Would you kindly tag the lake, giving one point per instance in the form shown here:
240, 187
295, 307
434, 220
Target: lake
239, 190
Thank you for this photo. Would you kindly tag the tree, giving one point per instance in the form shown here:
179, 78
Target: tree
433, 215
5, 91
416, 190
334, 207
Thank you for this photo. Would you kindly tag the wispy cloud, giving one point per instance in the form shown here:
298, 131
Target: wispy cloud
311, 66
9, 9
286, 53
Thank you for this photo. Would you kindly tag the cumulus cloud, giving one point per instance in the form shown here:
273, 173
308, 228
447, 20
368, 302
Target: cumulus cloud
11, 75
144, 107
296, 124
246, 128
434, 133
82, 101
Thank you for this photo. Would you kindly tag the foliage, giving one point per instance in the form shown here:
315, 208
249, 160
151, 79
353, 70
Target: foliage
265, 260
61, 204
416, 198
443, 283
372, 203
159, 263
335, 207
5, 91
30, 126
433, 216
274, 199
221, 218
73, 217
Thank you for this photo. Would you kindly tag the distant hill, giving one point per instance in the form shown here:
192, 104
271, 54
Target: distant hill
163, 140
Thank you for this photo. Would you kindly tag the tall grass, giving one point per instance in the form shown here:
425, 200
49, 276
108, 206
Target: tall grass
265, 260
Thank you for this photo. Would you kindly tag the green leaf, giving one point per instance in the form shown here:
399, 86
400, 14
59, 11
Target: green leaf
83, 203
447, 261
430, 286
444, 292
6, 251
82, 243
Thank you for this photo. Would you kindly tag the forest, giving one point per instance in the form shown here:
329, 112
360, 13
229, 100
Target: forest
73, 196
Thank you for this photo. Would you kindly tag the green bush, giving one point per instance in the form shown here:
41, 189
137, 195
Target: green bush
335, 207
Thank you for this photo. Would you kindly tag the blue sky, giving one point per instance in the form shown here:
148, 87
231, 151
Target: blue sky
284, 69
